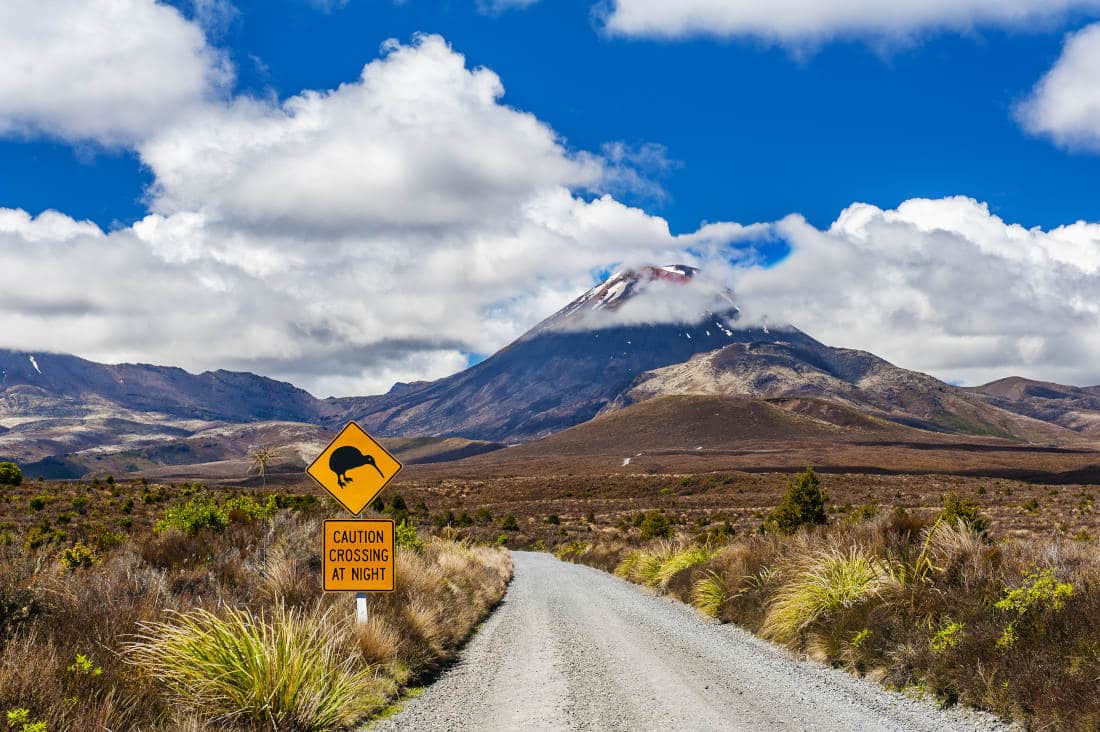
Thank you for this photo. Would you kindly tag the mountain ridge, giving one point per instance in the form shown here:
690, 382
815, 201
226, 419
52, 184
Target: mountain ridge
600, 354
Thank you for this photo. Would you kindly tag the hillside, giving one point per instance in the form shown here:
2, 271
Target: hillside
1072, 407
802, 367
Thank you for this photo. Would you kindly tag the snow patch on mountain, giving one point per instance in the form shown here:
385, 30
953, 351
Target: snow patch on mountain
649, 295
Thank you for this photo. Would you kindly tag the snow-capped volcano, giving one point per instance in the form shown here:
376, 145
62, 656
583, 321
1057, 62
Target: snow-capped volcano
573, 364
674, 293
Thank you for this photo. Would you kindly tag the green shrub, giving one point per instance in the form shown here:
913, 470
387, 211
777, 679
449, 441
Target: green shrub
508, 523
78, 556
571, 548
39, 502
242, 509
407, 537
864, 512
80, 504
1040, 594
946, 637
202, 512
552, 519
192, 517
285, 670
655, 525
803, 505
447, 518
10, 474
20, 719
84, 666
39, 536
958, 510
105, 539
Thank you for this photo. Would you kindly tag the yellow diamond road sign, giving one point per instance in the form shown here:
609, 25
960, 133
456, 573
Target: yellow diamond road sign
354, 468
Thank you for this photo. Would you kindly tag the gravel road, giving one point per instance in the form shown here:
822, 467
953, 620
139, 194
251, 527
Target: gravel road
573, 648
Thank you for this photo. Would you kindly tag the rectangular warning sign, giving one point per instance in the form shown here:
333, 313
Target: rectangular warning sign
358, 555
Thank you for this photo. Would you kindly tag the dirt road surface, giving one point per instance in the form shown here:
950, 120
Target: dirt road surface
573, 648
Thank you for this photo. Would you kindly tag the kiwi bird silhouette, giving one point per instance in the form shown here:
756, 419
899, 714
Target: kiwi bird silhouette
348, 458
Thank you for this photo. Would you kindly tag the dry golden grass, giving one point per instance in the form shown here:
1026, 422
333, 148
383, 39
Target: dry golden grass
260, 579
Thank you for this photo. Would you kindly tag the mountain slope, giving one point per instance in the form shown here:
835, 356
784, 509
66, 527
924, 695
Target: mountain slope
802, 367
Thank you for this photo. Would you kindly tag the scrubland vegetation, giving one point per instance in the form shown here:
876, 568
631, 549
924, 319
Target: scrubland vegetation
159, 608
932, 602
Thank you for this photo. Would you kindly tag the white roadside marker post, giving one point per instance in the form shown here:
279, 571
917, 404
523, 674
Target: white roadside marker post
360, 598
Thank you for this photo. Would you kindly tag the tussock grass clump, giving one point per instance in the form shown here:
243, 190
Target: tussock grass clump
283, 667
708, 593
656, 565
681, 560
830, 582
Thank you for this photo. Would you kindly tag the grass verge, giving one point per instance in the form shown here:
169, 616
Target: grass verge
937, 606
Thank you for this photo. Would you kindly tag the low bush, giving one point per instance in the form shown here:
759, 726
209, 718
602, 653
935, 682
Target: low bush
406, 537
206, 513
963, 511
78, 556
654, 525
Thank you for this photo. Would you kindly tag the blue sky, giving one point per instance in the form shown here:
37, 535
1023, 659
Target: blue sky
756, 131
223, 167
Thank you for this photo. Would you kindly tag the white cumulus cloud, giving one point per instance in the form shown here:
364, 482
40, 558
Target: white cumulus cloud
941, 286
812, 20
341, 239
1065, 104
110, 71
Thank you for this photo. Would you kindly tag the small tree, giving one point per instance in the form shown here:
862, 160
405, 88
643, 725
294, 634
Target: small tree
803, 505
655, 525
10, 474
261, 457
